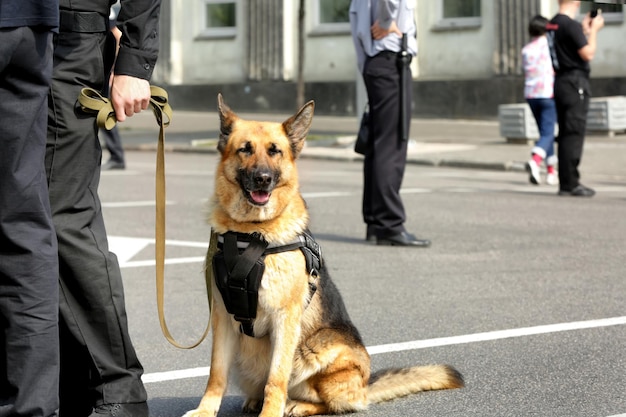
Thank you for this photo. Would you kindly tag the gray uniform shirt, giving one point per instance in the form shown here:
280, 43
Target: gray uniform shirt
363, 14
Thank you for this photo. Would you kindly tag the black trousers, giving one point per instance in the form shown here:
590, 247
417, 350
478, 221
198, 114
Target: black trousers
571, 96
383, 168
29, 352
113, 143
98, 361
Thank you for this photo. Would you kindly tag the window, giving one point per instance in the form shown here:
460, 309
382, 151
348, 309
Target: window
332, 16
334, 11
220, 19
459, 14
454, 9
612, 12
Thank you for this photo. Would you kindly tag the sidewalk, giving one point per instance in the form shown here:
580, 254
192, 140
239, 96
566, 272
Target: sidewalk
434, 142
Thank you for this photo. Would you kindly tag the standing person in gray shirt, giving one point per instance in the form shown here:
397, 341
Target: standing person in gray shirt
377, 30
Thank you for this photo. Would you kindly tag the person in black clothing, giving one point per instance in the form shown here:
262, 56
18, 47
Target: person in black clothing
100, 373
573, 46
29, 336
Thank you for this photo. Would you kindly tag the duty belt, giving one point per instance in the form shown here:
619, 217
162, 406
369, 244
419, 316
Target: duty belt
82, 22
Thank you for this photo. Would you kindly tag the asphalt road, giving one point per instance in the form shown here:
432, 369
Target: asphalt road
522, 291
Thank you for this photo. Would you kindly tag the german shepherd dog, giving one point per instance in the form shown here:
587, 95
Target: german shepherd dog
305, 356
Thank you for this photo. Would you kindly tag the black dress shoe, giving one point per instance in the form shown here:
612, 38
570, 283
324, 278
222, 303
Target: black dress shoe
579, 191
113, 165
403, 239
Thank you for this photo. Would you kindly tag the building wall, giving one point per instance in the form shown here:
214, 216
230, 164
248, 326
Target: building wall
461, 71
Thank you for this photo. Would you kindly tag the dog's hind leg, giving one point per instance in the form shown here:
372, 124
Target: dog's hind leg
340, 386
339, 392
222, 354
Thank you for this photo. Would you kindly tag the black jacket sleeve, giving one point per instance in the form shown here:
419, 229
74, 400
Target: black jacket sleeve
138, 21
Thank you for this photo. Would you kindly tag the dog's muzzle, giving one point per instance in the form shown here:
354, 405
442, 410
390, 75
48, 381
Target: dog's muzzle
258, 184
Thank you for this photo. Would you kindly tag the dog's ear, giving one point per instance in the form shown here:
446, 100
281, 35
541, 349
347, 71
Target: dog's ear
227, 118
297, 127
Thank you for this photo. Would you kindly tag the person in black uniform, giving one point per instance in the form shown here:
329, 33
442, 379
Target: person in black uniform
573, 46
100, 372
29, 336
377, 28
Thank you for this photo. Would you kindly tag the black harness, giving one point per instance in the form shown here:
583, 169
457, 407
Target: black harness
239, 264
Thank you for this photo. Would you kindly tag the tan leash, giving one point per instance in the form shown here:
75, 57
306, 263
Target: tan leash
92, 101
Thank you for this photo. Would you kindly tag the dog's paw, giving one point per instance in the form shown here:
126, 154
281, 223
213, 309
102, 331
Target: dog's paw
303, 409
198, 412
252, 405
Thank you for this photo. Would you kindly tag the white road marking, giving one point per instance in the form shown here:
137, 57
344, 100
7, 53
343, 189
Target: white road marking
125, 248
496, 335
428, 343
327, 194
172, 375
170, 261
126, 204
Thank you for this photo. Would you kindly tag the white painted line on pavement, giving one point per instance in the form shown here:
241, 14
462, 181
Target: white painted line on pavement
125, 248
496, 335
171, 375
126, 204
422, 344
327, 194
170, 261
415, 190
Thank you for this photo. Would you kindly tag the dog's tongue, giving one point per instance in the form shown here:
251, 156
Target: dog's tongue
260, 197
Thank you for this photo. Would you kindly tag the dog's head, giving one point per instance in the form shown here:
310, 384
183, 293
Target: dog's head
257, 174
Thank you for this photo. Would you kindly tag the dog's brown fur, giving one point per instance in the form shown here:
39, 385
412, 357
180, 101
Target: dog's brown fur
312, 359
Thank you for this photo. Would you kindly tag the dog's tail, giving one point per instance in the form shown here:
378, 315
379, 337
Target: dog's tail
388, 384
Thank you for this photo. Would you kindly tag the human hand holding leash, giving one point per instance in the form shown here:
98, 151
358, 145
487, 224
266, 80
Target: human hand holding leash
129, 95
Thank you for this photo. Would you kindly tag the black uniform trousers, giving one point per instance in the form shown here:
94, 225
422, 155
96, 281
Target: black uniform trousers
571, 96
98, 362
113, 143
385, 161
29, 352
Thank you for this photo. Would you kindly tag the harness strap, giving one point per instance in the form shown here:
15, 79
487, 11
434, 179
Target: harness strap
310, 248
241, 254
240, 293
239, 266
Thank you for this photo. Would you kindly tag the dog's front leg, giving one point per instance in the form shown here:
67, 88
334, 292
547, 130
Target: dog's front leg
222, 353
285, 335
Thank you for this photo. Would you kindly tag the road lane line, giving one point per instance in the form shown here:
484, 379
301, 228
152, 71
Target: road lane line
169, 261
126, 204
428, 343
172, 375
496, 335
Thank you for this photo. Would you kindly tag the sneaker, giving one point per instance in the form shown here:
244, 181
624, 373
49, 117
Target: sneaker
533, 172
579, 191
552, 178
